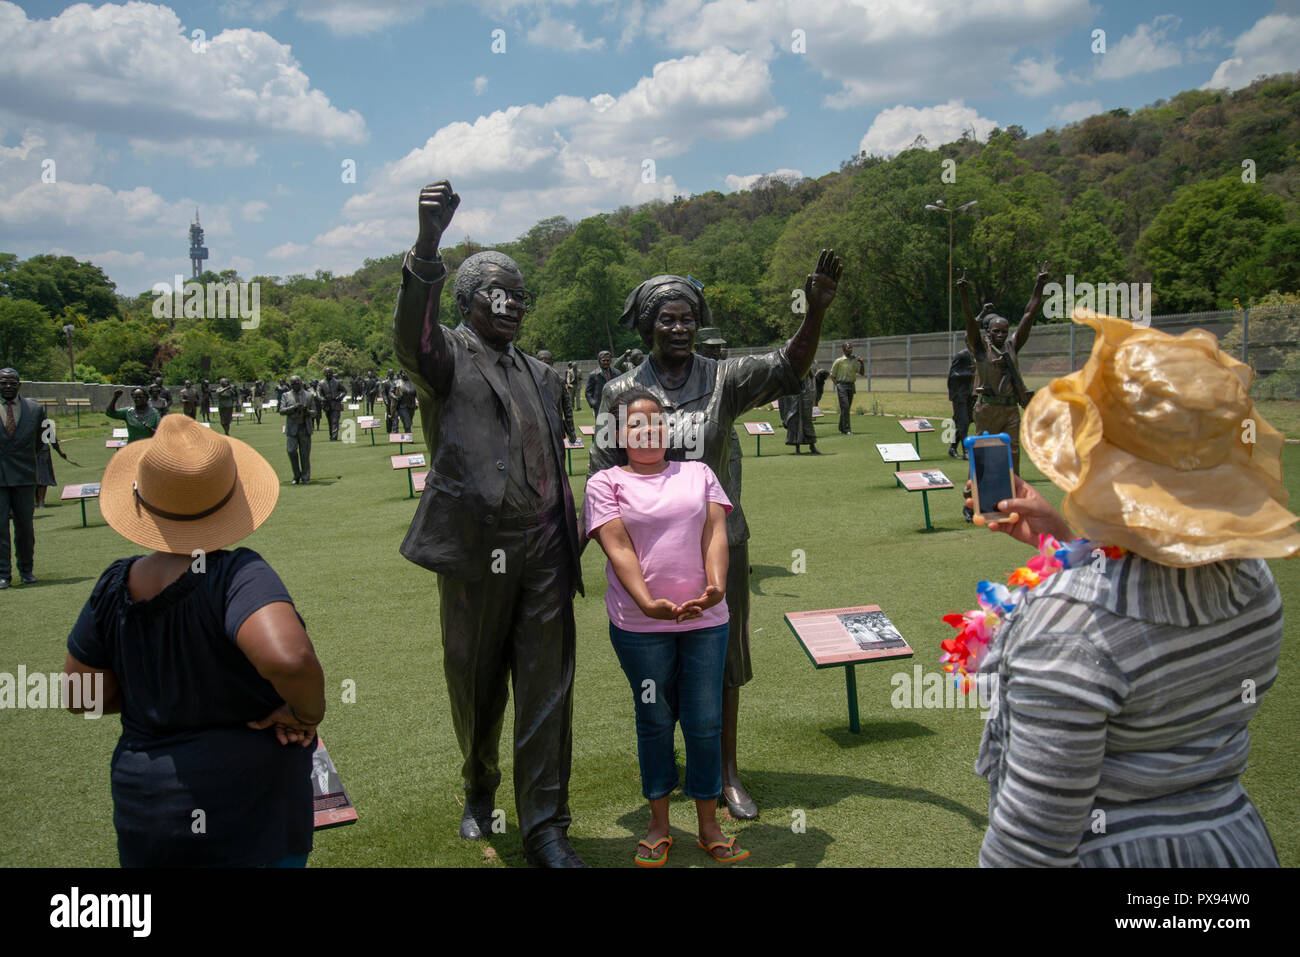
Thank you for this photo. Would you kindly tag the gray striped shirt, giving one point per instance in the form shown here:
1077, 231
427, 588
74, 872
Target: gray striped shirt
1119, 731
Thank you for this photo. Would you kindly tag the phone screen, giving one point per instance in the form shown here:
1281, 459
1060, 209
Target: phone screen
992, 476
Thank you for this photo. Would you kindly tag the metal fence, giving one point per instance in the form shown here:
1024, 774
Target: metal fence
1264, 337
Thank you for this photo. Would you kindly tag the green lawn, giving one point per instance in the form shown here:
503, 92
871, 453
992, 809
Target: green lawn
901, 793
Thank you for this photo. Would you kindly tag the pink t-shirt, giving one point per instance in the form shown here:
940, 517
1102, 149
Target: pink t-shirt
664, 515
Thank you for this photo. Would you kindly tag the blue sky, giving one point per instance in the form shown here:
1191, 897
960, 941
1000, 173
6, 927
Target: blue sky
253, 120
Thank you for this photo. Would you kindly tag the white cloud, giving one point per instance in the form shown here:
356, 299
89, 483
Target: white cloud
1271, 45
347, 17
286, 251
132, 272
1147, 49
132, 70
75, 153
1211, 36
252, 211
875, 50
45, 211
743, 182
480, 84
561, 35
1074, 112
201, 152
571, 155
896, 128
1037, 77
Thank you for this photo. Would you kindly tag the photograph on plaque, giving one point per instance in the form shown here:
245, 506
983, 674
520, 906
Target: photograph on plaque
575, 444
415, 460
89, 491
923, 481
845, 636
759, 428
330, 803
872, 630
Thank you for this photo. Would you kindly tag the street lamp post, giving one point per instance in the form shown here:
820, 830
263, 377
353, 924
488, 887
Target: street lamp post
68, 330
939, 206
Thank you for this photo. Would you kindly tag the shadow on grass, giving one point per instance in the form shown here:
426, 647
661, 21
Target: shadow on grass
876, 732
60, 581
770, 845
760, 573
785, 789
772, 840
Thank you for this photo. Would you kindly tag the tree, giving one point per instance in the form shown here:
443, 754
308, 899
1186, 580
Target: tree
26, 335
56, 282
587, 271
1204, 249
114, 343
344, 360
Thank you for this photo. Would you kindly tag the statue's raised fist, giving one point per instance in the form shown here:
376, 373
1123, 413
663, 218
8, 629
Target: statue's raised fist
437, 205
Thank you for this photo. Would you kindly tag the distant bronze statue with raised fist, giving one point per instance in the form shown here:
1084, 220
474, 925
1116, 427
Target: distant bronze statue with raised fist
1000, 390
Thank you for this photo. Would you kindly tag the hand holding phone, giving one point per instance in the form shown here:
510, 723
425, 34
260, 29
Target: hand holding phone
1028, 515
990, 473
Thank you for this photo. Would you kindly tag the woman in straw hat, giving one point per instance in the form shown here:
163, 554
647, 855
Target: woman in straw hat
1127, 676
202, 652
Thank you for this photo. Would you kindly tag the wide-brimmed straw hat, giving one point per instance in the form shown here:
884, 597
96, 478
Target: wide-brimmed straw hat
187, 488
1161, 449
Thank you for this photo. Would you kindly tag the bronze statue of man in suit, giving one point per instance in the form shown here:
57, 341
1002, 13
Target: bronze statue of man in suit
497, 523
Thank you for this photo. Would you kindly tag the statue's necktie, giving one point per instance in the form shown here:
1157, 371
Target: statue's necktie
10, 424
524, 415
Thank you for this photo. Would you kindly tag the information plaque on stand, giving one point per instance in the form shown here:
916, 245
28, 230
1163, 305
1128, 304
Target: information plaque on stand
845, 637
330, 802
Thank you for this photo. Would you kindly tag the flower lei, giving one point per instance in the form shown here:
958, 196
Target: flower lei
963, 653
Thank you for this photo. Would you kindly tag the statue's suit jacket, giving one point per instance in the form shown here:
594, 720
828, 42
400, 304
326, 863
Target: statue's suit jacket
18, 454
297, 410
466, 420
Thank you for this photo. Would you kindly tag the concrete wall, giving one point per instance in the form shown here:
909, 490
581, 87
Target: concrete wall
99, 395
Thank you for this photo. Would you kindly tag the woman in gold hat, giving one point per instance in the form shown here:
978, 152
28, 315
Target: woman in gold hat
1125, 684
202, 652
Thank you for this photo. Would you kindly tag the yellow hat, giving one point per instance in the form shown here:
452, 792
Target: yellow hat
1161, 449
187, 488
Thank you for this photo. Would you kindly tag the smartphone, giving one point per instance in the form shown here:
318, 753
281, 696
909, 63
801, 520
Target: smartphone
990, 473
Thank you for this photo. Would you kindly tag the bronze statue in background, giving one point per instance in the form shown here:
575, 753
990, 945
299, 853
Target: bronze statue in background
1000, 391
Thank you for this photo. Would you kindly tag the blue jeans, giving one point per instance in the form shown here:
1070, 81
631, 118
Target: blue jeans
686, 670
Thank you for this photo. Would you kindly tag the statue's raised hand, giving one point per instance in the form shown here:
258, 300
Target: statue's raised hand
821, 284
1042, 272
962, 281
437, 205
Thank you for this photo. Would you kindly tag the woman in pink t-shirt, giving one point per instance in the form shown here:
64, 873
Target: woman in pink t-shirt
663, 526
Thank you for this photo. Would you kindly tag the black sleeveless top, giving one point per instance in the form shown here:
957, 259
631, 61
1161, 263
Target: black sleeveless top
192, 784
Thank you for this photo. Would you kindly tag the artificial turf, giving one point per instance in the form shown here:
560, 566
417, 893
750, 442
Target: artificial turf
901, 793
